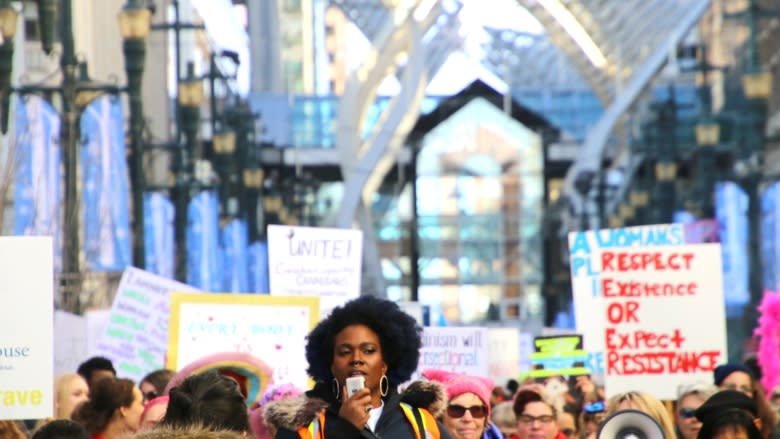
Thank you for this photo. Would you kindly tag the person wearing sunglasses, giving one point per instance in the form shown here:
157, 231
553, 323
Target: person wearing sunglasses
468, 409
537, 417
153, 384
591, 417
690, 397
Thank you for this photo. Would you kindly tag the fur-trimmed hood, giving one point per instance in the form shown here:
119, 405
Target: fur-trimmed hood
293, 413
190, 432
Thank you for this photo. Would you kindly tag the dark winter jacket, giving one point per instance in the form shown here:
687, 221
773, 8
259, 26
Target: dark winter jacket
286, 416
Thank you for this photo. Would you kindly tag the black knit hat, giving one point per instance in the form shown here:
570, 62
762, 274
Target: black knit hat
721, 372
724, 400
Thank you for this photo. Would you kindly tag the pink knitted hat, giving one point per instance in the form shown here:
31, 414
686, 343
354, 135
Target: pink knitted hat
458, 384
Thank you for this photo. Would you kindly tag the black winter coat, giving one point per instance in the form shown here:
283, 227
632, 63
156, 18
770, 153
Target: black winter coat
287, 416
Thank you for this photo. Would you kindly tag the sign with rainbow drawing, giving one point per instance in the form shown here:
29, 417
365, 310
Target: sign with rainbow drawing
271, 328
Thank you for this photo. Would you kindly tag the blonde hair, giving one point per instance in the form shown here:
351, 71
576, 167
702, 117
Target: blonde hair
11, 430
647, 404
62, 387
701, 388
504, 415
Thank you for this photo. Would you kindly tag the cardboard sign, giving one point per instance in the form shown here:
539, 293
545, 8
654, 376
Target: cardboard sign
503, 353
456, 349
96, 323
558, 355
70, 341
136, 337
26, 351
76, 338
270, 328
314, 261
526, 350
649, 305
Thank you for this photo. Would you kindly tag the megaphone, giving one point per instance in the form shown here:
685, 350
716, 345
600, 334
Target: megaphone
630, 424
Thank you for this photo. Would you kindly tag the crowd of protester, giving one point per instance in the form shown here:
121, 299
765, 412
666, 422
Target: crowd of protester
374, 339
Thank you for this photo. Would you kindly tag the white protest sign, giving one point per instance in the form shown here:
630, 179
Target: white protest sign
503, 353
70, 341
137, 333
96, 322
650, 306
526, 350
314, 261
272, 329
456, 349
26, 351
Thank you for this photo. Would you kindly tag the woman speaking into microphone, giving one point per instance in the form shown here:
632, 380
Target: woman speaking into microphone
366, 340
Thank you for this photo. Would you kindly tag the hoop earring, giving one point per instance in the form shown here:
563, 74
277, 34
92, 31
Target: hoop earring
384, 385
335, 388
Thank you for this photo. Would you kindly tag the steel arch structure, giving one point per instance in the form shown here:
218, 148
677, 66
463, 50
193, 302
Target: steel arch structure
615, 47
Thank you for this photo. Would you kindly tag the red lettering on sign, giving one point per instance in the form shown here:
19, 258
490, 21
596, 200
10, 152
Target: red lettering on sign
618, 312
620, 288
617, 261
661, 362
642, 339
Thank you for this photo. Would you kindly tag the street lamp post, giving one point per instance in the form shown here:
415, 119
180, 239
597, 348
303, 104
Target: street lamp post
134, 26
757, 87
665, 170
190, 97
707, 134
8, 17
75, 91
246, 163
224, 142
71, 262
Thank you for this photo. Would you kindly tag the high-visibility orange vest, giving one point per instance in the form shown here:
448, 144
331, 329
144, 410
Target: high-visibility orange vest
316, 429
429, 425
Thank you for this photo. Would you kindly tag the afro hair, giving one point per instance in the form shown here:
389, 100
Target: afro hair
398, 332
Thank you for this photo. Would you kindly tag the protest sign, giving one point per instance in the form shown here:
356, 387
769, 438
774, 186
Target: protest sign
70, 341
456, 349
136, 335
649, 304
314, 261
526, 350
270, 328
26, 351
503, 353
96, 323
558, 355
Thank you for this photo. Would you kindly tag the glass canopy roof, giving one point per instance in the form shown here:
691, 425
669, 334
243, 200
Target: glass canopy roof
598, 43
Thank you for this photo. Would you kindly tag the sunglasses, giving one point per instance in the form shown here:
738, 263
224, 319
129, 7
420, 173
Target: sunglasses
148, 396
458, 411
687, 413
594, 407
